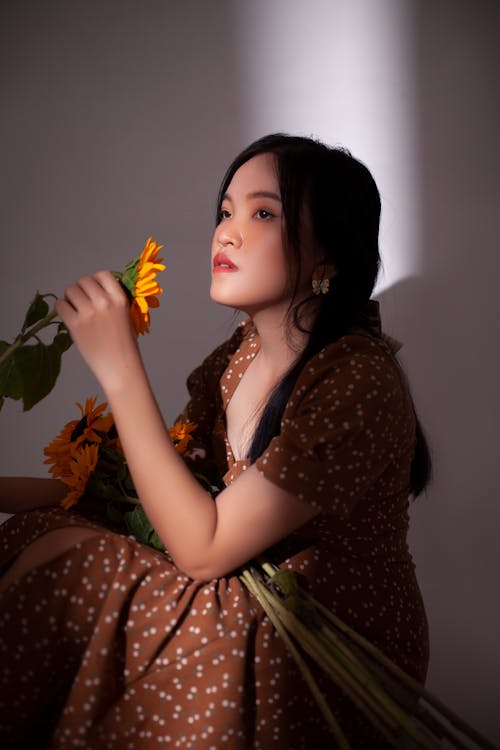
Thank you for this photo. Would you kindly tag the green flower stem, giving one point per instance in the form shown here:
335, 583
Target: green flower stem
373, 679
401, 677
372, 691
343, 655
405, 678
130, 500
255, 588
322, 653
364, 693
23, 338
352, 671
442, 731
351, 685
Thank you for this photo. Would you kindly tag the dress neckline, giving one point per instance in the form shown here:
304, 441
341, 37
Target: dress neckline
238, 364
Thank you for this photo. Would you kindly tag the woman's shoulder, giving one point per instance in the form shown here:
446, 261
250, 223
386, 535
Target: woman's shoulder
354, 362
347, 420
357, 344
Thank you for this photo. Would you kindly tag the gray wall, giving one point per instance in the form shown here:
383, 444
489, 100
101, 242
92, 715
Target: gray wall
119, 118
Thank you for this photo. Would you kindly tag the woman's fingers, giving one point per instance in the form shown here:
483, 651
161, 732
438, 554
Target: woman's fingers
96, 312
96, 291
107, 280
79, 295
65, 311
90, 298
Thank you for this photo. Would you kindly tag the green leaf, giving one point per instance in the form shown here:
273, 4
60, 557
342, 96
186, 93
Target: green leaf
36, 311
111, 455
11, 382
62, 342
32, 370
114, 514
128, 485
155, 541
139, 524
122, 472
105, 491
62, 338
38, 367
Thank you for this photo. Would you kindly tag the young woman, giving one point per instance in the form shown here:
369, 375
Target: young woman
111, 644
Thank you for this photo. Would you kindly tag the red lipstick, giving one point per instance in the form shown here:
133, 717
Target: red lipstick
222, 264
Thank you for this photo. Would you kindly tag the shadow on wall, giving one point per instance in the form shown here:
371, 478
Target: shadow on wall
448, 319
455, 525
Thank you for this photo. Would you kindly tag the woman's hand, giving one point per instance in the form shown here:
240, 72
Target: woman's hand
96, 312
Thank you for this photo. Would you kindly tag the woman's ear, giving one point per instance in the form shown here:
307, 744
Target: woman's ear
324, 271
321, 278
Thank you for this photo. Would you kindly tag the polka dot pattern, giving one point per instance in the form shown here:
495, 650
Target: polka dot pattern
109, 645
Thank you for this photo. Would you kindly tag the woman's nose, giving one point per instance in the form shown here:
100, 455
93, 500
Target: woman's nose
229, 234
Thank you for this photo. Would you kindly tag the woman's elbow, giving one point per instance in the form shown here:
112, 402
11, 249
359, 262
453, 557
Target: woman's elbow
206, 570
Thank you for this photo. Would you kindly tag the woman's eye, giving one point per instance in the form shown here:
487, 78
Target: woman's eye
223, 214
263, 214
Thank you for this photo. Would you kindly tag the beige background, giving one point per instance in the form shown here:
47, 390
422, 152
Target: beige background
118, 120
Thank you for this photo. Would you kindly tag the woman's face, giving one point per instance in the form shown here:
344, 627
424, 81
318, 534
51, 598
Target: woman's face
249, 268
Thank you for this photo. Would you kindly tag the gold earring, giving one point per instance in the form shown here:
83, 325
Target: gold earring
320, 287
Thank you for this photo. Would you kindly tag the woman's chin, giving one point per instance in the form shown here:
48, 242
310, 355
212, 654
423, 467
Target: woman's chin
229, 301
223, 296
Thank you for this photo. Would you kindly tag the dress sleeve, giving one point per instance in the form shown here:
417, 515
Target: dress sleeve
349, 421
204, 395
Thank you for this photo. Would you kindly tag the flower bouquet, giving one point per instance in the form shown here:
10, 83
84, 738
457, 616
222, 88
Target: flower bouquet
87, 457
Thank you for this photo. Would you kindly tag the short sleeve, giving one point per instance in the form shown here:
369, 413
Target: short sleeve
347, 430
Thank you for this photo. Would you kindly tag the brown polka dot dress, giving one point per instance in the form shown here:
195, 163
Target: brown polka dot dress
109, 646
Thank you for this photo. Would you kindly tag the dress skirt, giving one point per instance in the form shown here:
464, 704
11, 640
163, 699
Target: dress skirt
109, 646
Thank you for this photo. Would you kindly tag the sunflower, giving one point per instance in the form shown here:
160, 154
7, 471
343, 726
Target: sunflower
90, 428
180, 435
139, 278
82, 465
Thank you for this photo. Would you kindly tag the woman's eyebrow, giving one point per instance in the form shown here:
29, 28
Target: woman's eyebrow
264, 194
256, 194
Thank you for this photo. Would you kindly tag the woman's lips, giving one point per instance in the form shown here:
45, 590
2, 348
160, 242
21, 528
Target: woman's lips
222, 264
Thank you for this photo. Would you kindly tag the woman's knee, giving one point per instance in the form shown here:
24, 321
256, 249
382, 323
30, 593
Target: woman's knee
47, 547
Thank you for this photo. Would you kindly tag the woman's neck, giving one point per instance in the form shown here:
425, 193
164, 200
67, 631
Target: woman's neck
279, 347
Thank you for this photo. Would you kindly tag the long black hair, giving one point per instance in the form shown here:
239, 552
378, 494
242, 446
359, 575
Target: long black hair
335, 194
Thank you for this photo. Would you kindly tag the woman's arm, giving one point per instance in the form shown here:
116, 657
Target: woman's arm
205, 538
18, 494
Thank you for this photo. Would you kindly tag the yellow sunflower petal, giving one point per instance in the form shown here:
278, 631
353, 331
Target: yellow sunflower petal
146, 288
141, 304
140, 320
83, 464
74, 434
148, 269
180, 435
151, 250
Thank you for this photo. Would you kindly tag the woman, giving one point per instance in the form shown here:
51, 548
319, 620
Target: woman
308, 414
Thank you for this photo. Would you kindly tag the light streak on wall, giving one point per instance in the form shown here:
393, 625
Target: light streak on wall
340, 71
